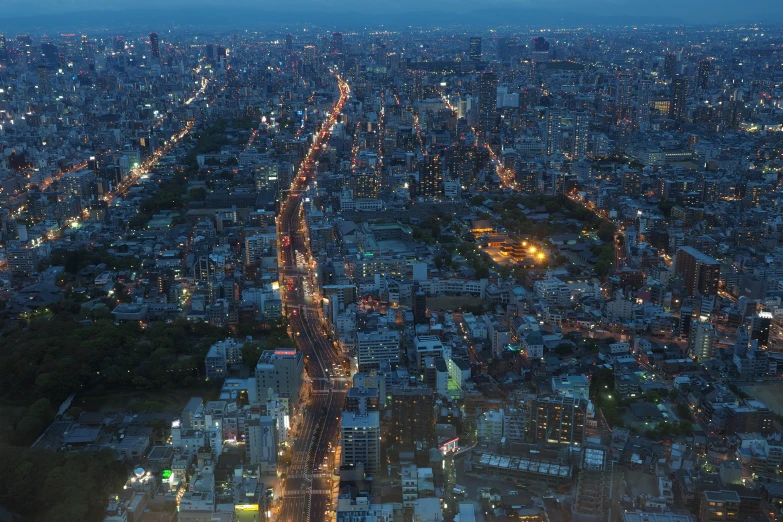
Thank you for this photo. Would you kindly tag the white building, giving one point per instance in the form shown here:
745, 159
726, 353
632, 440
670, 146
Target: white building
375, 348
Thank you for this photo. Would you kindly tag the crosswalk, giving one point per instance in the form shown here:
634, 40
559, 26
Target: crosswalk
299, 492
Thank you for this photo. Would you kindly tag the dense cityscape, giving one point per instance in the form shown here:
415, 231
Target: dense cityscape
419, 275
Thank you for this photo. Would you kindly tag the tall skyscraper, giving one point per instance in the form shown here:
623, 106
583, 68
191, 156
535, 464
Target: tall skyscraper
623, 96
154, 45
580, 134
643, 103
558, 420
488, 100
84, 45
679, 96
430, 177
474, 52
552, 130
704, 74
336, 47
759, 328
119, 44
700, 272
669, 65
3, 49
289, 43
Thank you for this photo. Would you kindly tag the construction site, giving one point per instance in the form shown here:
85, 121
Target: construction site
593, 494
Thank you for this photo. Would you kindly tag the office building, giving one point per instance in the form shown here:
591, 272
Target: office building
487, 104
3, 49
679, 96
413, 417
361, 440
22, 260
701, 341
261, 436
631, 183
280, 370
719, 506
474, 52
700, 272
43, 79
373, 349
154, 46
558, 420
78, 184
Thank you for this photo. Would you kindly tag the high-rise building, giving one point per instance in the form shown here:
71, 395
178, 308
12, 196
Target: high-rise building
417, 87
154, 45
753, 194
119, 44
704, 74
361, 440
679, 96
430, 177
336, 46
527, 180
474, 52
281, 370
3, 49
373, 349
487, 104
701, 341
643, 103
43, 79
669, 65
209, 53
552, 133
84, 45
581, 134
700, 272
413, 417
289, 43
462, 163
558, 420
262, 443
623, 96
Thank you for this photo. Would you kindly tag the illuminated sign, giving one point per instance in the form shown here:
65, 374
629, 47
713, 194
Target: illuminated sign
450, 446
166, 474
246, 507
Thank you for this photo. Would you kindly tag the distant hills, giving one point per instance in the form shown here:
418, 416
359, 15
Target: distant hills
258, 18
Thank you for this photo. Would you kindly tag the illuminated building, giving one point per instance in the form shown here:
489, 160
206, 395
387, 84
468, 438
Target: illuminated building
487, 105
43, 79
154, 45
430, 177
631, 183
375, 348
701, 341
3, 49
552, 130
759, 328
474, 52
580, 135
679, 95
700, 272
559, 420
719, 506
262, 443
361, 440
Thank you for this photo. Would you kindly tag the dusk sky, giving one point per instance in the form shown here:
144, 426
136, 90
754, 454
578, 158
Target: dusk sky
692, 11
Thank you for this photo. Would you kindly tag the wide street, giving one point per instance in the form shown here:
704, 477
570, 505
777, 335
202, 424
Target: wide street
307, 493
